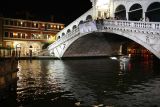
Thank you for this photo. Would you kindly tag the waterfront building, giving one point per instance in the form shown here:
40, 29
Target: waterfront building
24, 36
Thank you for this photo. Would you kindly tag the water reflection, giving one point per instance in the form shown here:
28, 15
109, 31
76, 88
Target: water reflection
102, 82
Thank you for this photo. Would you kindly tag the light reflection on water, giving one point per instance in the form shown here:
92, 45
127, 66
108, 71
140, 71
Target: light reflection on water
91, 82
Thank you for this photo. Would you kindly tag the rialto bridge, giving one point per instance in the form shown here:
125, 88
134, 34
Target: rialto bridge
95, 32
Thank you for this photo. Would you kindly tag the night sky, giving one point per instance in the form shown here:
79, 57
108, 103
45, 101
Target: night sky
64, 11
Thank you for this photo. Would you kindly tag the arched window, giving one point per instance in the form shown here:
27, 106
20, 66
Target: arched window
135, 12
120, 13
153, 12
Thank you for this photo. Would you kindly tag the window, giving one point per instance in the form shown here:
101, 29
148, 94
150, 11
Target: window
5, 34
99, 13
11, 35
11, 22
6, 22
19, 35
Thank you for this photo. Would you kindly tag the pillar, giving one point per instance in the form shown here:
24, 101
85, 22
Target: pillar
144, 14
127, 15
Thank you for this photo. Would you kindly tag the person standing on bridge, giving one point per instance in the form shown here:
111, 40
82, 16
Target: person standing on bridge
147, 19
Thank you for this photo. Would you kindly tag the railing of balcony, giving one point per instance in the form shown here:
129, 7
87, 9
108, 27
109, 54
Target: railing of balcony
26, 38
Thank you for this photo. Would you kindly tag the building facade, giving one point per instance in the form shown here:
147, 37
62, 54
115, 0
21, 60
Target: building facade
133, 10
26, 35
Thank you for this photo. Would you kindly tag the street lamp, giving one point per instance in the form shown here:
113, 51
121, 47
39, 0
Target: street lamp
30, 51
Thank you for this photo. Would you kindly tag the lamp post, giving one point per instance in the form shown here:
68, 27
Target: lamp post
16, 50
30, 51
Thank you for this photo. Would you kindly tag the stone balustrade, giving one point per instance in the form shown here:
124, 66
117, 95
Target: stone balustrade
132, 26
145, 33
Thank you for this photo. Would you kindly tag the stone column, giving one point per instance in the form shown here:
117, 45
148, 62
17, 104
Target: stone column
144, 14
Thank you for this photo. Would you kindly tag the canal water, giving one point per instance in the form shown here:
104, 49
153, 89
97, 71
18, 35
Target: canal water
100, 82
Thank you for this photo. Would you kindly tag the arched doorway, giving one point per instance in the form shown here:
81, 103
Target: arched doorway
153, 12
120, 12
135, 12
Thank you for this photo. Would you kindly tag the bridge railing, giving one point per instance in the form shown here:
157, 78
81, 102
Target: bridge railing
152, 26
66, 37
75, 22
148, 27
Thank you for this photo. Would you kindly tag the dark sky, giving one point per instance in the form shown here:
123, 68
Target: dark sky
64, 11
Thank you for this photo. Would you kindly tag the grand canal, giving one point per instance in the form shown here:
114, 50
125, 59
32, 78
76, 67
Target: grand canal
87, 82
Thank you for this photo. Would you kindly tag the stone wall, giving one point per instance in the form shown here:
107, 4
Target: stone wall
8, 76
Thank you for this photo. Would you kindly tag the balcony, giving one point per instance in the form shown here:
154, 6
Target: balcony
25, 39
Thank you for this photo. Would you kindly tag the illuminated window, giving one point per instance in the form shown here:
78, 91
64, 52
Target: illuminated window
58, 26
21, 23
62, 27
43, 25
15, 34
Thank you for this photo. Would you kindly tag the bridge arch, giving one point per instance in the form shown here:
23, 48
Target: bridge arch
89, 18
63, 34
81, 22
135, 12
129, 36
120, 12
153, 12
58, 37
74, 27
68, 31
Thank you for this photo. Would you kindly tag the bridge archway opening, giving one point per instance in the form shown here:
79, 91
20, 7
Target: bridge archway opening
89, 18
58, 37
74, 27
81, 22
63, 34
120, 12
106, 44
135, 12
68, 31
153, 12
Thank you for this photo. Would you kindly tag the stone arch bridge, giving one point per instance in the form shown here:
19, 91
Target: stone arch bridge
137, 20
